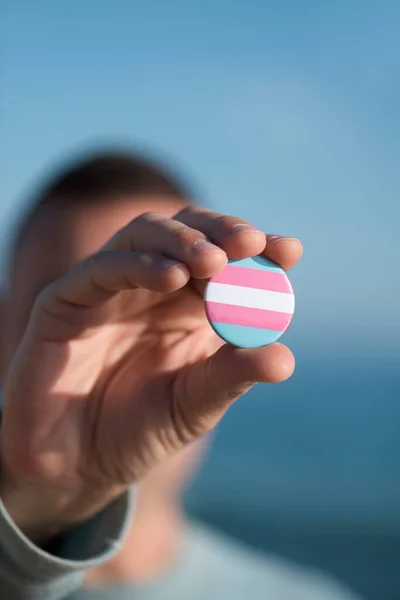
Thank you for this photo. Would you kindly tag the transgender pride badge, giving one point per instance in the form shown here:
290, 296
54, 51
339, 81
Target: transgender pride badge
250, 303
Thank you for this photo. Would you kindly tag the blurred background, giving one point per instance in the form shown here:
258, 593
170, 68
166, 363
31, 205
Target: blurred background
287, 114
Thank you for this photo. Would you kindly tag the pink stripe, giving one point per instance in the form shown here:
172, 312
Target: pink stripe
254, 278
248, 317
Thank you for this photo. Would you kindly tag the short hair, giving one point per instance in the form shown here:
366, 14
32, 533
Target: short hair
102, 178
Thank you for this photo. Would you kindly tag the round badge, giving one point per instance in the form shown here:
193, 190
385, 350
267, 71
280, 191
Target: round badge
250, 303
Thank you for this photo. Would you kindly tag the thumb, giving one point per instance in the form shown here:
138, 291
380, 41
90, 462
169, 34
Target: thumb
212, 385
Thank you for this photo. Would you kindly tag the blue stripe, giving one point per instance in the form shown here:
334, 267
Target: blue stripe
256, 262
245, 337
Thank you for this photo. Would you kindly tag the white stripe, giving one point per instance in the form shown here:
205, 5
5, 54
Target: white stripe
249, 297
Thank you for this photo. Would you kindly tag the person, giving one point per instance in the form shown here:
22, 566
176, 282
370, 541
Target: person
112, 379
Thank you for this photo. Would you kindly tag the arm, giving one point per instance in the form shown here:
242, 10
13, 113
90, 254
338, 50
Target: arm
52, 572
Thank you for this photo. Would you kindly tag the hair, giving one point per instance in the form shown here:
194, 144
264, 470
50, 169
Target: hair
102, 178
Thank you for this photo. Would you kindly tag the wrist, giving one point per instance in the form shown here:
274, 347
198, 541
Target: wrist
42, 513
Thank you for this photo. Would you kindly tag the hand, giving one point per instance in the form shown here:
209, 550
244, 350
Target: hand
120, 369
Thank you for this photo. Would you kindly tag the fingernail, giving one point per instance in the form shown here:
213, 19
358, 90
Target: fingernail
202, 246
243, 227
272, 239
168, 264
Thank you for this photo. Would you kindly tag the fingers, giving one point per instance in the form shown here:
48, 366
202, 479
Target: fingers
204, 240
285, 251
238, 238
201, 239
211, 386
199, 242
98, 278
152, 232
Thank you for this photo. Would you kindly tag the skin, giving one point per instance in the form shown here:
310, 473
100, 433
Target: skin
112, 370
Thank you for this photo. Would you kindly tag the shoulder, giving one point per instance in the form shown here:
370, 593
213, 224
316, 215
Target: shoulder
231, 568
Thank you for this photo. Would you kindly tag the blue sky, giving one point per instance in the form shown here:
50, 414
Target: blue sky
285, 113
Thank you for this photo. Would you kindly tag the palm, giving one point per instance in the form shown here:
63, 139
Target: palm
118, 386
139, 396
